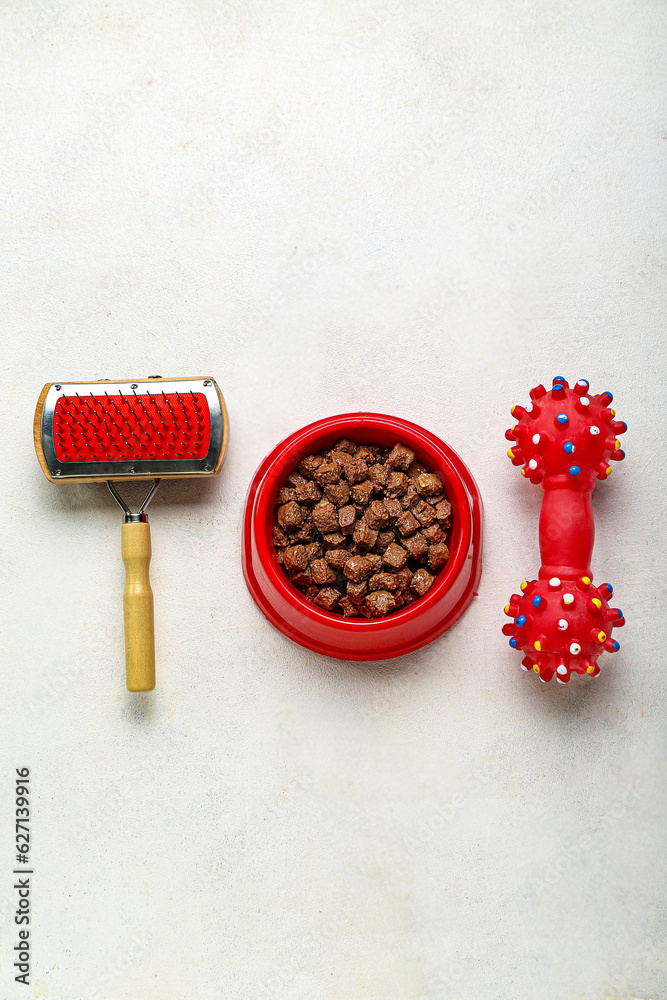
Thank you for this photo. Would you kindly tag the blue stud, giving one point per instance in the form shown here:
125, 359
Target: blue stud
568, 447
561, 418
620, 613
607, 393
574, 470
609, 588
513, 643
537, 600
559, 378
617, 646
521, 620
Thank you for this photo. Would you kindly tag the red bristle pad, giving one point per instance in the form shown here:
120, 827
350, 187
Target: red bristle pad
131, 428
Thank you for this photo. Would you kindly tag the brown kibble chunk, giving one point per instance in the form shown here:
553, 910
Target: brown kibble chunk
395, 556
428, 484
306, 533
410, 498
313, 551
322, 573
375, 561
328, 472
379, 475
290, 516
403, 578
401, 457
357, 591
357, 568
334, 540
301, 578
434, 534
295, 558
345, 445
311, 592
280, 539
407, 523
325, 517
381, 602
362, 492
383, 581
384, 540
338, 493
443, 512
424, 512
416, 545
349, 609
308, 492
337, 557
377, 515
309, 464
398, 484
421, 582
328, 598
393, 508
346, 519
364, 536
437, 556
294, 479
285, 495
355, 470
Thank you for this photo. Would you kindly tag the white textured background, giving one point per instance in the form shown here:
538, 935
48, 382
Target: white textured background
418, 208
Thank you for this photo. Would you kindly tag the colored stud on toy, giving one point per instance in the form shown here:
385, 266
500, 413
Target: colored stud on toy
561, 621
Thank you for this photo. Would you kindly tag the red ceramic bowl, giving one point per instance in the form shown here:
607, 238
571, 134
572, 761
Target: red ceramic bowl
365, 639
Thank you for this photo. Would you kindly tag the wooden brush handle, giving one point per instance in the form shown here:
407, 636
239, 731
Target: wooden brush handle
138, 607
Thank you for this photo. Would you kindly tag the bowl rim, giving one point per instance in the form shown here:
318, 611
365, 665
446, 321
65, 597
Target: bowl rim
284, 458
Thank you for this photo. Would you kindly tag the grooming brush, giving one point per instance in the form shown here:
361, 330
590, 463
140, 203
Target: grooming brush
93, 432
564, 439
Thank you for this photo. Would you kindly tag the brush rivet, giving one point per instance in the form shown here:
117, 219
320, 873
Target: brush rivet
207, 381
56, 472
58, 387
134, 385
133, 469
207, 468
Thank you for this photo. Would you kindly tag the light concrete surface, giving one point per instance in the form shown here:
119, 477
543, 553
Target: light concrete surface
416, 208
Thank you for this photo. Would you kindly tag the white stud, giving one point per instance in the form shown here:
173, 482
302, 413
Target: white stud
528, 408
554, 581
585, 401
562, 669
536, 438
594, 430
532, 464
562, 625
575, 648
582, 381
568, 598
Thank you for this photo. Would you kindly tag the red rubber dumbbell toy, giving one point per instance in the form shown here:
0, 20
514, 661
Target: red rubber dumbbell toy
564, 440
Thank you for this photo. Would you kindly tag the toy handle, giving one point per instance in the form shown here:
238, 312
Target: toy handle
138, 607
567, 530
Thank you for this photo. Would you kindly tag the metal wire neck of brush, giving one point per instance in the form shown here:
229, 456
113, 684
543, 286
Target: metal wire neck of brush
128, 516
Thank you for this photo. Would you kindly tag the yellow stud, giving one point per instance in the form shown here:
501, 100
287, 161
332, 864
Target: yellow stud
617, 444
602, 636
609, 470
537, 645
525, 582
523, 472
507, 609
613, 413
512, 410
590, 668
586, 580
536, 668
510, 453
597, 603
